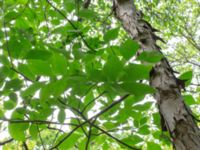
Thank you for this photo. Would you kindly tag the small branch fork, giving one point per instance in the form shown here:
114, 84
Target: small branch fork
91, 122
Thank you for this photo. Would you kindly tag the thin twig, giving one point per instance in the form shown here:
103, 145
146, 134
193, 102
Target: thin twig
7, 141
82, 127
7, 46
93, 101
10, 140
41, 140
116, 139
24, 76
9, 54
89, 134
56, 129
71, 23
46, 19
56, 136
37, 122
25, 146
105, 132
95, 116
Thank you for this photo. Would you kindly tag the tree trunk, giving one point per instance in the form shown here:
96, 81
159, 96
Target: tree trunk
177, 117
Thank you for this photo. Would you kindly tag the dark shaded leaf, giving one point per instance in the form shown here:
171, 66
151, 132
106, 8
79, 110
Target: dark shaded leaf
150, 56
61, 116
129, 48
111, 34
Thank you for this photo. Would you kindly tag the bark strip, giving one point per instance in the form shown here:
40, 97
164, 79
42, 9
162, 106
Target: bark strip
177, 117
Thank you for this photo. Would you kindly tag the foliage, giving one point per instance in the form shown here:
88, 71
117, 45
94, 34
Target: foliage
69, 77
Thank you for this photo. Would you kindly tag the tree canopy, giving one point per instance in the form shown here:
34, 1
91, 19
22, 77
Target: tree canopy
70, 77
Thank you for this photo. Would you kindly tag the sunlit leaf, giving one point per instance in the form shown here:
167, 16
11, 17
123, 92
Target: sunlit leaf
69, 143
154, 146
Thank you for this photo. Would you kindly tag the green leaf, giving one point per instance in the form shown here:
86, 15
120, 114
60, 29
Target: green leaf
9, 16
136, 72
74, 103
30, 91
4, 60
143, 121
38, 54
129, 48
156, 119
189, 99
131, 100
59, 87
132, 140
77, 53
33, 130
14, 84
82, 144
45, 92
96, 75
144, 130
186, 76
153, 146
40, 67
22, 1
113, 68
111, 34
13, 97
142, 107
25, 70
59, 64
88, 99
150, 56
123, 115
9, 105
1, 33
17, 130
18, 46
109, 125
87, 14
1, 114
61, 116
137, 89
54, 89
69, 5
23, 23
70, 142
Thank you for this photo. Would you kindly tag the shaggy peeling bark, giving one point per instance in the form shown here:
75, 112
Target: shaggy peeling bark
176, 116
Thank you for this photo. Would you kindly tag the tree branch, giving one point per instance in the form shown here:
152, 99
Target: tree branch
86, 4
52, 128
25, 146
71, 23
89, 134
6, 142
40, 138
105, 132
87, 121
93, 101
37, 122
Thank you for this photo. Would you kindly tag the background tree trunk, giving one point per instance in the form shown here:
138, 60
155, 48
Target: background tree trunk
177, 117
